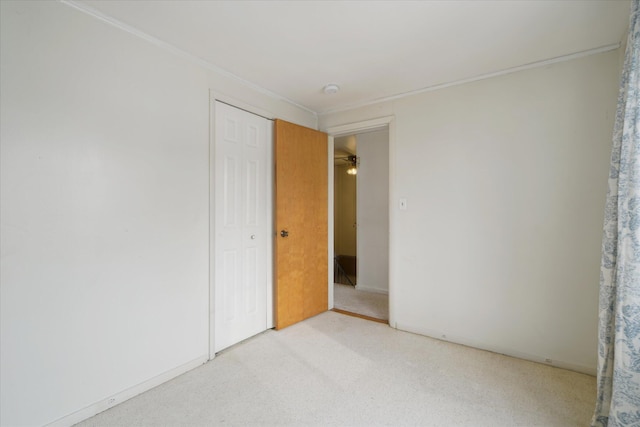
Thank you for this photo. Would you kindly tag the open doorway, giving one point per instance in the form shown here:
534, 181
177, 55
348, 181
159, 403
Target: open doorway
361, 224
345, 205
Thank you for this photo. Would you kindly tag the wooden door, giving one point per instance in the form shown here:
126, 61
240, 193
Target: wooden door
301, 258
242, 224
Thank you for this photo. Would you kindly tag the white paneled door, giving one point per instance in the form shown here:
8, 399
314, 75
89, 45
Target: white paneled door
243, 182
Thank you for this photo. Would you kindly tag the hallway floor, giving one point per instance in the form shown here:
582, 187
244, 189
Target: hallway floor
371, 304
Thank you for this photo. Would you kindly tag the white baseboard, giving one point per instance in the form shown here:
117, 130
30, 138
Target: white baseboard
376, 290
120, 397
589, 370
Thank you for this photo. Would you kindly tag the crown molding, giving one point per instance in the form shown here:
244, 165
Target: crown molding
212, 67
179, 52
503, 72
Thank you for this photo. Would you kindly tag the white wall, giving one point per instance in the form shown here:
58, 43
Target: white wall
505, 180
104, 210
373, 211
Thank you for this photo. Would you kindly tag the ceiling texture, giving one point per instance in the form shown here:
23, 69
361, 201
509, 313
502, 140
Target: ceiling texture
374, 50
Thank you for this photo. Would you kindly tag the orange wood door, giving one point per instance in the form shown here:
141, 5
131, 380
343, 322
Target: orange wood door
301, 258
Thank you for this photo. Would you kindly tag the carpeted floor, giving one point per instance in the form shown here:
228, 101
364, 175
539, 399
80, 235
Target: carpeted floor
337, 370
372, 304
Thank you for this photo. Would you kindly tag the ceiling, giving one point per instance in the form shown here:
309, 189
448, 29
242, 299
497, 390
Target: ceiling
344, 146
372, 49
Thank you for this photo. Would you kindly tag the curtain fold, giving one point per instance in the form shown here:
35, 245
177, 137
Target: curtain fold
618, 394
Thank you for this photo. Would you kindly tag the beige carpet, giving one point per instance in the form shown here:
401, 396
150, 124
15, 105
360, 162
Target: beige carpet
337, 370
372, 304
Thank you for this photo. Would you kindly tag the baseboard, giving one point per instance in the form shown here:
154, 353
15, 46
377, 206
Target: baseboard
127, 394
376, 290
589, 370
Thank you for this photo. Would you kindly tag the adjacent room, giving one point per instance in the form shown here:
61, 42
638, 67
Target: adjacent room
361, 224
169, 182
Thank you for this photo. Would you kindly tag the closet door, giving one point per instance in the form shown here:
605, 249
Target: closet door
243, 144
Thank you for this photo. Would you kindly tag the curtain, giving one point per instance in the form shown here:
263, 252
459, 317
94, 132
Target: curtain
618, 395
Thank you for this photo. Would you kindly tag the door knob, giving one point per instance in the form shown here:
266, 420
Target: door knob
284, 233
253, 237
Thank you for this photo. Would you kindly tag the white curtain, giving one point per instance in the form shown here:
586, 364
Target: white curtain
618, 399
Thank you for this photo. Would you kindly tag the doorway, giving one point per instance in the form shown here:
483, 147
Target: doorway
345, 178
361, 224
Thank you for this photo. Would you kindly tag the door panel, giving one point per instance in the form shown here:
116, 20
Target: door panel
242, 229
301, 258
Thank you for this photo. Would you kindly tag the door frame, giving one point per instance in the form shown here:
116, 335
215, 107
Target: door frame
386, 122
213, 98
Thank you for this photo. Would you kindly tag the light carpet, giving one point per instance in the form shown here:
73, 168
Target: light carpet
336, 370
372, 304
